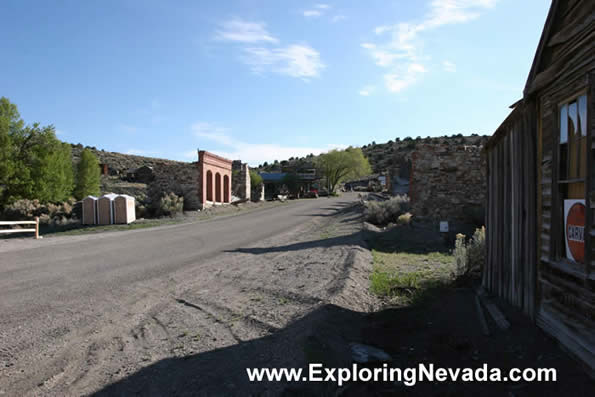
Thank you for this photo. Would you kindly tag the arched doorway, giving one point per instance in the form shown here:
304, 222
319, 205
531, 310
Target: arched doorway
226, 189
209, 186
218, 187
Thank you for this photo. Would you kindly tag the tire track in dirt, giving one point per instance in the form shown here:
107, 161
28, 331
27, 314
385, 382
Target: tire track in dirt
237, 296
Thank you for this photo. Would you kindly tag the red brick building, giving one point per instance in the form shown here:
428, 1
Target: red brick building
214, 179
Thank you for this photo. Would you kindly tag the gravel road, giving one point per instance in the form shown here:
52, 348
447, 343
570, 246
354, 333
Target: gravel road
80, 313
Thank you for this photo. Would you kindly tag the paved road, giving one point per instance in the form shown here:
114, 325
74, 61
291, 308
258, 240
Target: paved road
62, 289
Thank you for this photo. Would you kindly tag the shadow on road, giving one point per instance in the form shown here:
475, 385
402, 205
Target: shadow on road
444, 331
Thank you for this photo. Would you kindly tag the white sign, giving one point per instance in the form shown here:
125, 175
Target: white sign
444, 227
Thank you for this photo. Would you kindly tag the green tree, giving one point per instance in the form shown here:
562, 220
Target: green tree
34, 164
50, 164
339, 165
88, 175
9, 116
255, 179
292, 181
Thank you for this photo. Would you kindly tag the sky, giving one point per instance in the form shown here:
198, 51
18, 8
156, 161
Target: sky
264, 80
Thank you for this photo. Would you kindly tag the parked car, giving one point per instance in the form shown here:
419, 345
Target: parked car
311, 194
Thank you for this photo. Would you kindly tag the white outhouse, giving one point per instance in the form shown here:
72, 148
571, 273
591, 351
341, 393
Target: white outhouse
124, 209
105, 209
89, 206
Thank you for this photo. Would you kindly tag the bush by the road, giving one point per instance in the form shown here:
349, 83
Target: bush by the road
385, 212
470, 256
48, 213
169, 205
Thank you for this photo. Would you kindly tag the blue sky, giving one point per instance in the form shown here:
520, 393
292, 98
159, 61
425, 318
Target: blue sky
264, 80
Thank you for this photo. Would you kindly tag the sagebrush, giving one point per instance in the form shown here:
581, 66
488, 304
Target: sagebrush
169, 205
470, 256
389, 211
48, 213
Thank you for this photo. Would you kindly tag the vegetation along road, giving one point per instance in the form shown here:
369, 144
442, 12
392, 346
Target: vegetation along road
82, 313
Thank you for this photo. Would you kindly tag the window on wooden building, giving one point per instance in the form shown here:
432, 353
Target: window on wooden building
572, 178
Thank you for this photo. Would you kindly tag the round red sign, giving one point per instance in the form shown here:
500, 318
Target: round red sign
575, 231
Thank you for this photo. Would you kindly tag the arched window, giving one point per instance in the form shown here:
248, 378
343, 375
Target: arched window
209, 186
226, 189
218, 187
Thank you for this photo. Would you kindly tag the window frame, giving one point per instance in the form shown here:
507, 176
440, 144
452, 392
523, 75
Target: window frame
557, 232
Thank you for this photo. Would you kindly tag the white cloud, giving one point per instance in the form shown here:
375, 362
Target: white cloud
403, 50
191, 155
297, 60
384, 58
211, 132
396, 82
242, 31
312, 13
317, 11
252, 153
449, 66
444, 12
367, 90
338, 18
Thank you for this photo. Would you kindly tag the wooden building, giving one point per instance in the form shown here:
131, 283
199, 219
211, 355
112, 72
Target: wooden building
541, 186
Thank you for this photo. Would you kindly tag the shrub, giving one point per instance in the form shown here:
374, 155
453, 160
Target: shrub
470, 256
169, 205
255, 178
385, 212
404, 219
50, 214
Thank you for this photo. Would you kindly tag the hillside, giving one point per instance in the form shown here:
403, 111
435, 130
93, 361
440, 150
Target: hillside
383, 156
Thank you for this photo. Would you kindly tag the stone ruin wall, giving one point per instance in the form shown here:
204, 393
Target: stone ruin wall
180, 179
448, 182
240, 180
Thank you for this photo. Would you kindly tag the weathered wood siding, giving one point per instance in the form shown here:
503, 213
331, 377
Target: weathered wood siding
565, 69
511, 217
526, 262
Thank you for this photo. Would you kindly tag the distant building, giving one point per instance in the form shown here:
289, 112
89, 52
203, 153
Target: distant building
276, 182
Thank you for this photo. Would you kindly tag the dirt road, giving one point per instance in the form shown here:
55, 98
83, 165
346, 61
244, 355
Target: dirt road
79, 313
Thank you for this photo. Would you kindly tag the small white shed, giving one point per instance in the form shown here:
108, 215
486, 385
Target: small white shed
124, 209
105, 209
89, 206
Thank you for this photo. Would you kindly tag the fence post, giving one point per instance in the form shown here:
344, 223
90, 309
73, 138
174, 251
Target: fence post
37, 228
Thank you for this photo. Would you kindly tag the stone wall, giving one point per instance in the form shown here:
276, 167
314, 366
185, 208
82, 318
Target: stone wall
257, 193
448, 182
240, 181
180, 179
